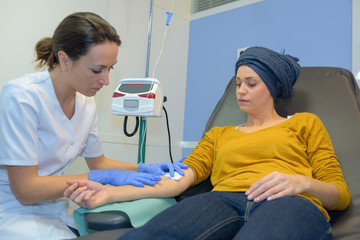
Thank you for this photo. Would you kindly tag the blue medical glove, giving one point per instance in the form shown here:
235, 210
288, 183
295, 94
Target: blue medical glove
162, 168
118, 177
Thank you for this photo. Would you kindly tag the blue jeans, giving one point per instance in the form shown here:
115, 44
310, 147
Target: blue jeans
229, 215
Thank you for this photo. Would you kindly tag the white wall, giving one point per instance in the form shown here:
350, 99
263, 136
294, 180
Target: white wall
24, 22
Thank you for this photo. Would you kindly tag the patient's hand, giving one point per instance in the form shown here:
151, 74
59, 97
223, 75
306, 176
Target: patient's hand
88, 194
276, 185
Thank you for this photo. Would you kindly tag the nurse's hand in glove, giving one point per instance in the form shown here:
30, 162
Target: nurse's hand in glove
121, 177
162, 168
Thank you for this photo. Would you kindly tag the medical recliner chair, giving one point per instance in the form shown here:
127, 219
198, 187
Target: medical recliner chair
332, 94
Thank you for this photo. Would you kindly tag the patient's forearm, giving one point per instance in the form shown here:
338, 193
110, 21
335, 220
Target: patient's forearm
163, 188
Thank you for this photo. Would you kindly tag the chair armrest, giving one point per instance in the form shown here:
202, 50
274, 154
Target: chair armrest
107, 220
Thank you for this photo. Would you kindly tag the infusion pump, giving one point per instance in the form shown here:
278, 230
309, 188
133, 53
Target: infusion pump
138, 97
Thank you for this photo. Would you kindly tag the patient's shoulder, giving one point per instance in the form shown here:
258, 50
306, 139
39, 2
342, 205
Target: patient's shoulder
304, 120
306, 116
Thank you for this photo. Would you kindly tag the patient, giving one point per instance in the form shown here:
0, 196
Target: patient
273, 177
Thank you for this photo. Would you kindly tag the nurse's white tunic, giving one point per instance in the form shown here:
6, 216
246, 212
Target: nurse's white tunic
35, 131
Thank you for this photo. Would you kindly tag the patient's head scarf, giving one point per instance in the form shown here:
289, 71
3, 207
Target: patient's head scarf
278, 71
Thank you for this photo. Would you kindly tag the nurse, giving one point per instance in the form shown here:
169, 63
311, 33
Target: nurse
48, 119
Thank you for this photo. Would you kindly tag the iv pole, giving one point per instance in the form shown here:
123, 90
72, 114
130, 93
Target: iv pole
142, 133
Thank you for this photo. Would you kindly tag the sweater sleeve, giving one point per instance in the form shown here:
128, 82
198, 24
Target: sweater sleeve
324, 161
201, 158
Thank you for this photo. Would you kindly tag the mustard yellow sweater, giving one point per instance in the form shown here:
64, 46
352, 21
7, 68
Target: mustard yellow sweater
300, 145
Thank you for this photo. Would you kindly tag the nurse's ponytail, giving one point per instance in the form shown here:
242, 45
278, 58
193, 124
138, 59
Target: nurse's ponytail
44, 53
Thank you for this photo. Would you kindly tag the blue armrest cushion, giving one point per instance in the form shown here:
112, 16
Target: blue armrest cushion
139, 211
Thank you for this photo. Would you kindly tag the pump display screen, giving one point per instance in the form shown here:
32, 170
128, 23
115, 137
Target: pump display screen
135, 88
131, 103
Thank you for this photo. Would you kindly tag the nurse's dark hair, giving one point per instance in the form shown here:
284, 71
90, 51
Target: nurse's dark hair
75, 35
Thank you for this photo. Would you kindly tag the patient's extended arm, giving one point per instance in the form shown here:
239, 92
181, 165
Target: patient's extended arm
90, 194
